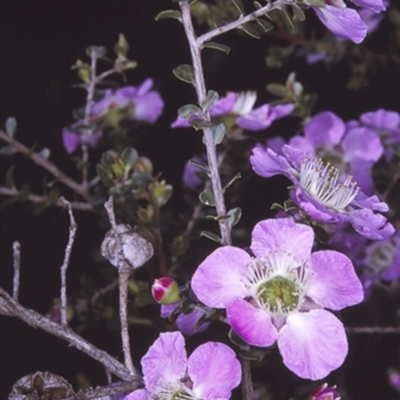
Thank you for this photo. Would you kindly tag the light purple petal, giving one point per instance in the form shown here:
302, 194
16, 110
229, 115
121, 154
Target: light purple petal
282, 235
104, 105
374, 5
371, 202
276, 143
294, 155
180, 123
303, 144
70, 141
370, 225
253, 325
187, 322
361, 172
313, 344
214, 371
281, 110
140, 394
363, 143
258, 119
125, 96
325, 130
335, 284
165, 361
145, 87
223, 106
267, 163
381, 119
148, 107
219, 278
343, 22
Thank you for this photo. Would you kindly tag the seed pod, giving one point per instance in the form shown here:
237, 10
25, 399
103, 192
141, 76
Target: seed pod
122, 247
41, 386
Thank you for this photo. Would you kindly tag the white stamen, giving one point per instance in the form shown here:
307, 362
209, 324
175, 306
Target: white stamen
244, 103
321, 183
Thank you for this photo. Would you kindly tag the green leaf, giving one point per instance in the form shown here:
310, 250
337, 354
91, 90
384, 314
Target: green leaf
202, 167
169, 14
121, 48
236, 339
211, 98
321, 234
257, 5
104, 174
45, 153
188, 110
234, 216
10, 177
53, 195
298, 14
185, 73
24, 193
239, 6
253, 354
129, 157
207, 197
316, 3
265, 25
99, 51
211, 236
277, 89
218, 133
217, 46
201, 124
234, 179
288, 20
8, 150
11, 126
252, 29
108, 158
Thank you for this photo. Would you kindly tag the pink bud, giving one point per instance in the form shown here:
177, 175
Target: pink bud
324, 392
165, 291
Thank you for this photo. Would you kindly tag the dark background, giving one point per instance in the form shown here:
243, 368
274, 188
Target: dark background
39, 42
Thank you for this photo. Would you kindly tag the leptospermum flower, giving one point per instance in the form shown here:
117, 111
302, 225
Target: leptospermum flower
345, 22
279, 295
237, 109
210, 372
321, 194
74, 136
140, 103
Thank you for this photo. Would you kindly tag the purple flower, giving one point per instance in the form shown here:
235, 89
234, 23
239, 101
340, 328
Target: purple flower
210, 373
237, 109
325, 392
351, 149
387, 125
141, 103
279, 295
321, 194
74, 136
344, 22
185, 322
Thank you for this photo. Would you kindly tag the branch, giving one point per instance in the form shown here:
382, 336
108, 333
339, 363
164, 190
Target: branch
373, 329
239, 22
48, 166
10, 307
34, 198
109, 390
71, 238
17, 268
208, 136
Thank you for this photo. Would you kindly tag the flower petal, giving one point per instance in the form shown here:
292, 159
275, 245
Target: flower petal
343, 22
267, 163
325, 129
214, 371
148, 107
70, 141
165, 361
363, 143
140, 394
218, 279
370, 225
313, 344
335, 284
253, 325
282, 234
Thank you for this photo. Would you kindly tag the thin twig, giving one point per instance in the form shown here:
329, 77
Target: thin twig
240, 22
71, 238
33, 198
17, 269
373, 329
247, 385
200, 88
48, 166
10, 307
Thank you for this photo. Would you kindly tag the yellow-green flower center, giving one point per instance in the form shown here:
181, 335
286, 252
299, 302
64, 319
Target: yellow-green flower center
279, 294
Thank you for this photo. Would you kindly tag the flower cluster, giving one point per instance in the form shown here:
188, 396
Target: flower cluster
279, 295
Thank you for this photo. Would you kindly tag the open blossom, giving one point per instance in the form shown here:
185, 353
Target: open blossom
210, 372
279, 295
353, 150
321, 193
139, 103
344, 22
237, 109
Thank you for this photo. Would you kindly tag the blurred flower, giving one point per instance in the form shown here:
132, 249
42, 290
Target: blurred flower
344, 22
320, 192
211, 371
237, 109
279, 295
135, 103
75, 135
394, 379
324, 392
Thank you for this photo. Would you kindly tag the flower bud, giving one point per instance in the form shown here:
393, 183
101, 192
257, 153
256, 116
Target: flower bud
324, 392
165, 291
123, 247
